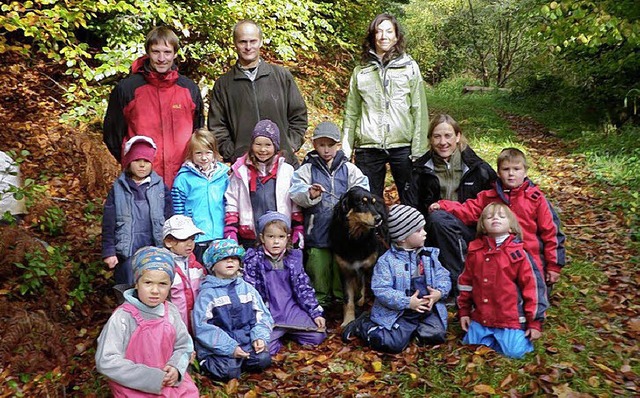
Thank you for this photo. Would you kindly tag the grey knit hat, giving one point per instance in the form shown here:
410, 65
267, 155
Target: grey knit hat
403, 221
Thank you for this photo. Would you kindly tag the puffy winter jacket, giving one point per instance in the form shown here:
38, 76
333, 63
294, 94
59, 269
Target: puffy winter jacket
186, 284
164, 106
391, 283
501, 287
386, 107
118, 223
537, 218
201, 198
229, 313
318, 212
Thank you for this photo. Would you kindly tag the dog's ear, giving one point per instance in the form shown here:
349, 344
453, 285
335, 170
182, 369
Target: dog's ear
344, 202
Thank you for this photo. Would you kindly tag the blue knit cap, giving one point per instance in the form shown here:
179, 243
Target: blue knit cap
152, 258
219, 250
272, 216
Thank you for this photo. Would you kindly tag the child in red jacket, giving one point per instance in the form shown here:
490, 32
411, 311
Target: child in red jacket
502, 299
540, 224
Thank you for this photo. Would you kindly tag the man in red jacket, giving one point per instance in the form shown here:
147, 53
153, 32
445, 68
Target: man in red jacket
156, 101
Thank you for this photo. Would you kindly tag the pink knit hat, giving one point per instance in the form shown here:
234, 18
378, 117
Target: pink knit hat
138, 147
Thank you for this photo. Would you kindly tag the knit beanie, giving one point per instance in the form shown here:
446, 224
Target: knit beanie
272, 216
267, 128
152, 258
138, 147
403, 221
219, 250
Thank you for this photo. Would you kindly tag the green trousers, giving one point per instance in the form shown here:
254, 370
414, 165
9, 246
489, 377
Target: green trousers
324, 274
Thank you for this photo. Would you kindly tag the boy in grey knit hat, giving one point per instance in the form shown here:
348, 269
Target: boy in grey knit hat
409, 284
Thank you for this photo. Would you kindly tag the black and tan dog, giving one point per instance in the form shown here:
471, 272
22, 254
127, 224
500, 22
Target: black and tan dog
358, 235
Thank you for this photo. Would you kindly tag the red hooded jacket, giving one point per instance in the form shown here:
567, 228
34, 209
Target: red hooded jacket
164, 106
501, 287
539, 222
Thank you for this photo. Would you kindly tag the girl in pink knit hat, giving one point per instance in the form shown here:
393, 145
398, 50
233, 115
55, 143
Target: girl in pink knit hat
135, 209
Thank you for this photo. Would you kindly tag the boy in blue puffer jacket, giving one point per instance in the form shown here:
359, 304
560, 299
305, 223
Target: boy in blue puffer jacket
408, 283
231, 323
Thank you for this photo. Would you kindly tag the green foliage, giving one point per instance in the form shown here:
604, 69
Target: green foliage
85, 275
53, 221
38, 268
596, 44
488, 38
97, 40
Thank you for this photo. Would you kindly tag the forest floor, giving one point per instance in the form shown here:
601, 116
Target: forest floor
48, 334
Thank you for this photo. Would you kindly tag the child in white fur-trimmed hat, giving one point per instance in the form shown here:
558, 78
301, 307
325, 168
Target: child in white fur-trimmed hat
409, 284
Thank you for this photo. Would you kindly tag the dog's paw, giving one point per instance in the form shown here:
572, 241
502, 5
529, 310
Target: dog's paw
348, 318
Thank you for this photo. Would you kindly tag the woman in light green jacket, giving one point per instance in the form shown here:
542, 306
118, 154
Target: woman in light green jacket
386, 116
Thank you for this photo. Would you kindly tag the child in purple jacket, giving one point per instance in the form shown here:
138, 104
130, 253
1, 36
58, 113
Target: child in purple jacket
278, 275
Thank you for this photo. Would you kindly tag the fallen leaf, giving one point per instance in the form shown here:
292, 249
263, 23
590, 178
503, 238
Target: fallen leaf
377, 366
367, 378
483, 389
280, 375
506, 381
231, 387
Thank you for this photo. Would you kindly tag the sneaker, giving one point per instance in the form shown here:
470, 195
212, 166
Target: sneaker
352, 330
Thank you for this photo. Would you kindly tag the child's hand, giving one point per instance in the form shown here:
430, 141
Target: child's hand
434, 206
258, 346
111, 261
315, 190
465, 321
171, 377
433, 297
418, 304
552, 277
320, 322
240, 353
533, 334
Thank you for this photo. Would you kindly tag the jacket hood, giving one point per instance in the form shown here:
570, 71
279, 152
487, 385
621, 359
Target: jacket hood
212, 281
526, 184
315, 159
131, 297
220, 171
141, 66
241, 162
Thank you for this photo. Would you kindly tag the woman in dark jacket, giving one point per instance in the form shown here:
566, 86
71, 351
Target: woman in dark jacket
449, 170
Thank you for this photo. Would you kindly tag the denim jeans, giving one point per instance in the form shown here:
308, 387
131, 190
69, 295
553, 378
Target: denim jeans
373, 163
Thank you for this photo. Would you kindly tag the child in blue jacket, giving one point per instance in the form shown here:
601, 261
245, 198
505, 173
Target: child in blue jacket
135, 210
409, 284
277, 273
325, 175
198, 189
231, 323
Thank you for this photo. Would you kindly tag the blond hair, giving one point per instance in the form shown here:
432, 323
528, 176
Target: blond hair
512, 155
490, 210
202, 138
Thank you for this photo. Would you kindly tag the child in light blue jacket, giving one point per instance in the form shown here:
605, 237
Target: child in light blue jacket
409, 284
198, 189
